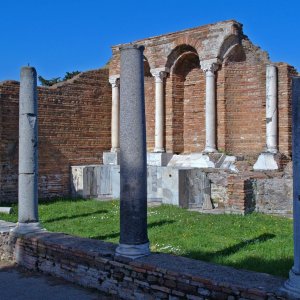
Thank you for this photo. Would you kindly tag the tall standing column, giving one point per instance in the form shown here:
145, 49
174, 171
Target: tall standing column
115, 113
134, 241
159, 75
210, 68
271, 108
267, 159
28, 151
292, 285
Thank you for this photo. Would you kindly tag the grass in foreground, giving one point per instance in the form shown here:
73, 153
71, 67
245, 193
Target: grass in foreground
255, 242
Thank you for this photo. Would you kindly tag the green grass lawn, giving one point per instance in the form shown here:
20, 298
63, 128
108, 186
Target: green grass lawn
255, 242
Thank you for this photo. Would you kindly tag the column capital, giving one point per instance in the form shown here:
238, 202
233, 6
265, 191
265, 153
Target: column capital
114, 80
159, 73
210, 65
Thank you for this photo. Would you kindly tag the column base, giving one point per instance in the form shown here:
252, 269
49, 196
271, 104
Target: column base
159, 159
209, 149
291, 288
133, 251
23, 228
159, 150
197, 160
266, 161
111, 158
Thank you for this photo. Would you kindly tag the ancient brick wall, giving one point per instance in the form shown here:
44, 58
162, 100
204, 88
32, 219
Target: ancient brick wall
240, 90
245, 108
74, 128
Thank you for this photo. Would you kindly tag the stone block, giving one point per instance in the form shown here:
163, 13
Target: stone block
84, 181
77, 181
111, 158
5, 210
197, 160
154, 184
188, 188
266, 161
158, 159
115, 181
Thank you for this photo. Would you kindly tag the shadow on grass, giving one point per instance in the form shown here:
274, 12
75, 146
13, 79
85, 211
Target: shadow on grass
117, 234
48, 201
212, 256
103, 211
278, 267
236, 248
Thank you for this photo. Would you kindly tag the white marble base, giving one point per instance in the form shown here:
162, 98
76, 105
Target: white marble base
5, 210
158, 159
133, 251
197, 160
111, 158
23, 228
266, 161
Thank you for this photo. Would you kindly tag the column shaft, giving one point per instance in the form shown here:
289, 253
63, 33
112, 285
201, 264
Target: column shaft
159, 109
115, 115
271, 109
133, 169
28, 147
210, 110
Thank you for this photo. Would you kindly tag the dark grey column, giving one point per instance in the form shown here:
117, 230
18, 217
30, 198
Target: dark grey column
292, 285
134, 241
28, 151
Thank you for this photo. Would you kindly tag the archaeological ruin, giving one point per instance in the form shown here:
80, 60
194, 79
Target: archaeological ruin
218, 126
199, 118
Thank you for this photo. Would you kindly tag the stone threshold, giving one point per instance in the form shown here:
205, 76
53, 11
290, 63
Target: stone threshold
92, 263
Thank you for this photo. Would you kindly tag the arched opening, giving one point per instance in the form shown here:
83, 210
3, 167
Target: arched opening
188, 88
244, 96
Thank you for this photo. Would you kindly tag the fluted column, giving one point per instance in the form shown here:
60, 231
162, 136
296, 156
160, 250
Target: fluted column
210, 67
159, 75
271, 109
115, 113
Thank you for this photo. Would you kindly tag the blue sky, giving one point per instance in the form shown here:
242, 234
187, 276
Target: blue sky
58, 36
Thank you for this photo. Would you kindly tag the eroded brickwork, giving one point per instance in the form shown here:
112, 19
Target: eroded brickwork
74, 128
75, 117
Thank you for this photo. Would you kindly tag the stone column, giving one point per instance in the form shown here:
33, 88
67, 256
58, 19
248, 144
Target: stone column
159, 75
271, 109
28, 151
210, 67
267, 159
134, 241
292, 285
115, 113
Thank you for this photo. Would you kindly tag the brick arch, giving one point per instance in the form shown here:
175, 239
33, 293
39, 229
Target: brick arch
148, 58
187, 81
177, 52
229, 43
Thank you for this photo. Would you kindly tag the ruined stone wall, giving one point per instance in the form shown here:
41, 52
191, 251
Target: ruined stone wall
74, 128
93, 264
240, 90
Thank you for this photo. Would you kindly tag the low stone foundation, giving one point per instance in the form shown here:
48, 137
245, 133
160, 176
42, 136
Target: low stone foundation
194, 188
92, 263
